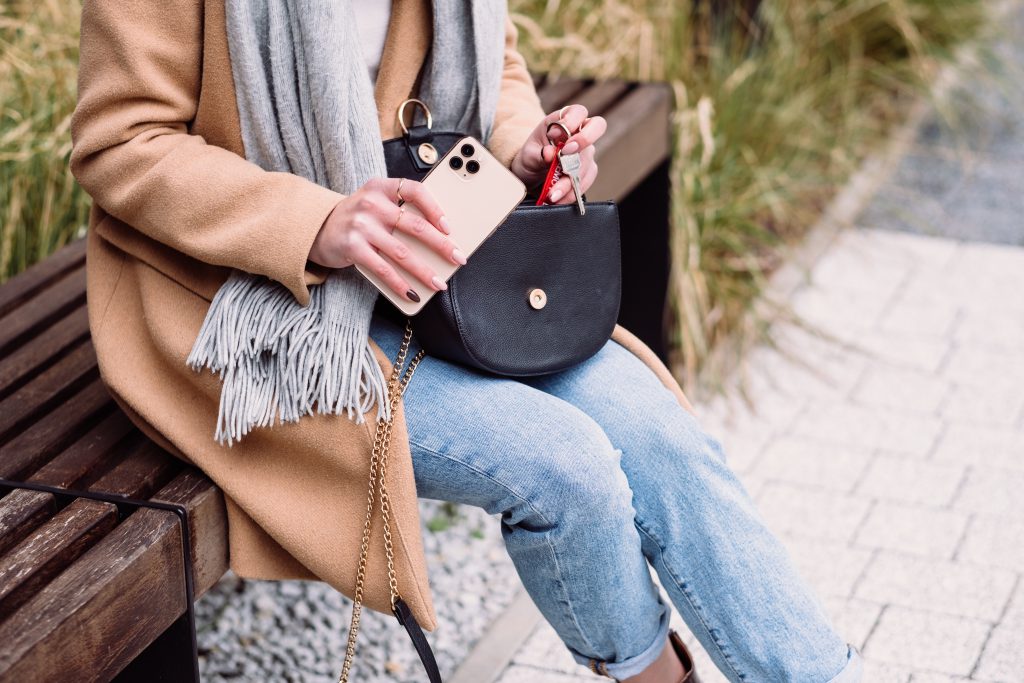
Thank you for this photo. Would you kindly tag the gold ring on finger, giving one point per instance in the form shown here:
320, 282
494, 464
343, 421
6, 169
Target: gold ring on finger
399, 190
401, 210
561, 112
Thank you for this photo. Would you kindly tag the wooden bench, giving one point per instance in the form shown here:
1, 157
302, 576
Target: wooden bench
105, 539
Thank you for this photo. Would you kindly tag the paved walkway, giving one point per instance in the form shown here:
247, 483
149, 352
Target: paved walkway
895, 477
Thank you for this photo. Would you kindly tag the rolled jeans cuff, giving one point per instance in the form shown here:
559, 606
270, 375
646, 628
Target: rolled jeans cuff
637, 663
853, 672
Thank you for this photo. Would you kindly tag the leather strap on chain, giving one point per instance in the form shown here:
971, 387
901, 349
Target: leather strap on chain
378, 476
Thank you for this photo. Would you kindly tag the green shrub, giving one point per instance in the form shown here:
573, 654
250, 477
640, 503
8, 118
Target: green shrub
41, 206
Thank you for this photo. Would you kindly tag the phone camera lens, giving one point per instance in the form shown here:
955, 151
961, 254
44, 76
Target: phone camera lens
467, 151
472, 166
456, 163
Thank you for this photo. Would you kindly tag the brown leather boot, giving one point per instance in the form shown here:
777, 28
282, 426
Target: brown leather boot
684, 656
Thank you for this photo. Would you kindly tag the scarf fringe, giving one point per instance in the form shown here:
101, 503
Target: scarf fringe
279, 361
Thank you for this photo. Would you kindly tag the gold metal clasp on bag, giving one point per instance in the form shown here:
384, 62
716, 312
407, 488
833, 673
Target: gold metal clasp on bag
538, 298
426, 151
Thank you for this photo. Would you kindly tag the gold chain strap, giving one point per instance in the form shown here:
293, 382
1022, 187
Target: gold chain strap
379, 457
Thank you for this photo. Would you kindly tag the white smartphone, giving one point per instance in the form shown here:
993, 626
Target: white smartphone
476, 193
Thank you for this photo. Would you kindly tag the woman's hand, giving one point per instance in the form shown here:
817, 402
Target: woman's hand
533, 160
360, 228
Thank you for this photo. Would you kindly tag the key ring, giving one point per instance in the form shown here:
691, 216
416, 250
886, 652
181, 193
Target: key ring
568, 133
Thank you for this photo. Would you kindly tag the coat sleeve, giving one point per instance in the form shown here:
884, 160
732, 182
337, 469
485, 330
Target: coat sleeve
132, 150
519, 109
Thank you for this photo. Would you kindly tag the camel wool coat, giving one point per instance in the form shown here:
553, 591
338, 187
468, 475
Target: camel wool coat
157, 144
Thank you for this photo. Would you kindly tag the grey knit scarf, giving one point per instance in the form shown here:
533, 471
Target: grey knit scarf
306, 106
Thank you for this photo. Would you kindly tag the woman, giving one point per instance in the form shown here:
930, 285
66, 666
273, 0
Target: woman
592, 481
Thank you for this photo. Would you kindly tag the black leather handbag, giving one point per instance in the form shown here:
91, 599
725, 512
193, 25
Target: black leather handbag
541, 294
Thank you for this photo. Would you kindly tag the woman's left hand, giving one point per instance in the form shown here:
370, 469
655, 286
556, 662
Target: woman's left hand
533, 160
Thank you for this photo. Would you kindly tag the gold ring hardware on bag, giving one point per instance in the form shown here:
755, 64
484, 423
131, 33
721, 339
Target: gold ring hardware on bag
401, 113
426, 151
538, 298
378, 475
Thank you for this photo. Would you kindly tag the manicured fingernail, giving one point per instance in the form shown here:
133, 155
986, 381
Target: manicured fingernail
413, 295
570, 147
445, 227
459, 257
439, 283
555, 196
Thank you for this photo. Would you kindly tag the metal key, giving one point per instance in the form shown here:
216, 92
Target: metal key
570, 164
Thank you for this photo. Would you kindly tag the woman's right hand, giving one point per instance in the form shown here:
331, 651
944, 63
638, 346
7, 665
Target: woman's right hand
359, 229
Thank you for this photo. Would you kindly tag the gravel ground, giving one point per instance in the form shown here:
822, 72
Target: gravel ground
296, 630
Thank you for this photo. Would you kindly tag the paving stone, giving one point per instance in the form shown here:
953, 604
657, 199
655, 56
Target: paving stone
1003, 658
995, 541
804, 512
815, 463
904, 390
984, 367
957, 588
862, 426
908, 351
925, 316
545, 650
830, 567
926, 640
877, 672
1015, 610
529, 674
990, 328
972, 282
983, 445
992, 491
794, 382
853, 619
911, 481
996, 403
853, 310
856, 264
926, 677
924, 531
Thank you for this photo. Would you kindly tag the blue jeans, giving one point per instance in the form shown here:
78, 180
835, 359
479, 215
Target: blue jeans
596, 471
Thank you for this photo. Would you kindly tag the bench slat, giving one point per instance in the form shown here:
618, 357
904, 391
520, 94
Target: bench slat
140, 473
600, 96
17, 367
559, 92
47, 391
21, 512
208, 524
638, 141
76, 626
30, 449
53, 547
82, 459
27, 284
25, 320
